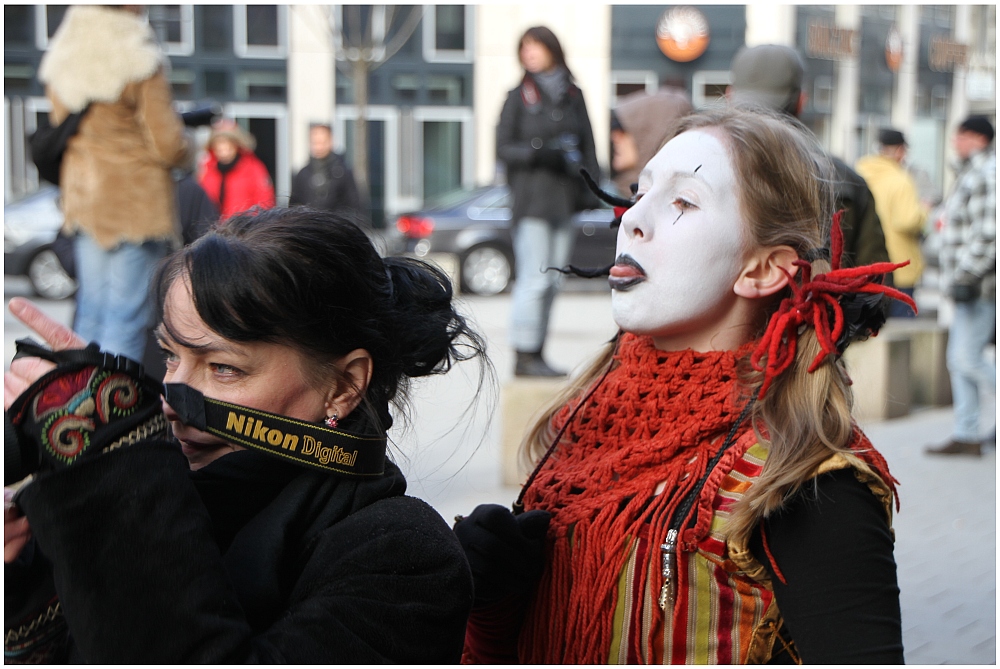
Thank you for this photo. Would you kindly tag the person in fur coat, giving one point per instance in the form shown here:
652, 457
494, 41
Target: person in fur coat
117, 192
233, 177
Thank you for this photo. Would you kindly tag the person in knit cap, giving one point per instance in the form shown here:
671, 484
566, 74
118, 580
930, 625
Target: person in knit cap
641, 123
899, 208
116, 188
700, 492
231, 174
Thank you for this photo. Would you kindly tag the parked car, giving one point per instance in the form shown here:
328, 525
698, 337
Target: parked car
475, 226
30, 227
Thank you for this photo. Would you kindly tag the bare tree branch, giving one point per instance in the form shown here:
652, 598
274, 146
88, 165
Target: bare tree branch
402, 35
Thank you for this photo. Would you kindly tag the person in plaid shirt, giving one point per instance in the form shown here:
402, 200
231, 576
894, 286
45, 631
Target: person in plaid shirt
968, 271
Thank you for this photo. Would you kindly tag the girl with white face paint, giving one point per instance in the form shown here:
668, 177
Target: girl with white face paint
708, 497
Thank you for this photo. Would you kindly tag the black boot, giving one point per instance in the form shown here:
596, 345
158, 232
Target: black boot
532, 364
957, 447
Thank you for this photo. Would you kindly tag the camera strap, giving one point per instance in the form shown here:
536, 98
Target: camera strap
316, 446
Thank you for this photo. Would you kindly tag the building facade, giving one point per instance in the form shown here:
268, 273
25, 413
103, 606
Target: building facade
438, 75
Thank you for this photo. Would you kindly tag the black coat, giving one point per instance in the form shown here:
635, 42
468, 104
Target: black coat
864, 241
246, 560
328, 185
529, 122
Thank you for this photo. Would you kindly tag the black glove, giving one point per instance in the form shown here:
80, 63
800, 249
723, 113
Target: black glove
553, 160
91, 402
506, 552
964, 292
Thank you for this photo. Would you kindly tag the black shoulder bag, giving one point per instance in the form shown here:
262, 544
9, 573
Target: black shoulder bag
48, 144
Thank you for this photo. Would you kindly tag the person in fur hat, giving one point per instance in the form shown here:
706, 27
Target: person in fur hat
234, 178
117, 192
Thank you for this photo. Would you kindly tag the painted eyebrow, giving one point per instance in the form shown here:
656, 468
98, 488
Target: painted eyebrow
677, 176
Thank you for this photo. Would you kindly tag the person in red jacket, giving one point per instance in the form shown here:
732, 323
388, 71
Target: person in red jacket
234, 178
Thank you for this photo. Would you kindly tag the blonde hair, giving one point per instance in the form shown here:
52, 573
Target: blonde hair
786, 196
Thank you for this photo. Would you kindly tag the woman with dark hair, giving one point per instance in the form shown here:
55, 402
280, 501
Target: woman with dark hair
271, 528
544, 137
701, 493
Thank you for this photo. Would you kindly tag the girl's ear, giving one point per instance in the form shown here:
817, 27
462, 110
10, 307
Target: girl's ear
355, 375
762, 274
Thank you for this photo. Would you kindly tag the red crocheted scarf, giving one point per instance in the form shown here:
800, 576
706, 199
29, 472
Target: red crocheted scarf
657, 419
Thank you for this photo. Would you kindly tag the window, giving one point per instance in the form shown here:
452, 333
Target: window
18, 25
259, 30
174, 27
442, 157
444, 89
626, 82
822, 99
447, 33
406, 86
261, 84
708, 87
17, 78
47, 20
216, 28
182, 83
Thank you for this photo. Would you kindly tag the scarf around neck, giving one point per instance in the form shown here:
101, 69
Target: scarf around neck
555, 82
657, 418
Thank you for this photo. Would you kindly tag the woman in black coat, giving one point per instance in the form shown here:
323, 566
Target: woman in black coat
271, 528
544, 138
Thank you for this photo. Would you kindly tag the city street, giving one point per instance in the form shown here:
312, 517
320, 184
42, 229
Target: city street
449, 447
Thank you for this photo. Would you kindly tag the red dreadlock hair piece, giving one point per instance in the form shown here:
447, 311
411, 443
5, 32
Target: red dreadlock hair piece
815, 301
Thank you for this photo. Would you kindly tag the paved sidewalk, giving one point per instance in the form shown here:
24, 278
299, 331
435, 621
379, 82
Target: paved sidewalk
945, 532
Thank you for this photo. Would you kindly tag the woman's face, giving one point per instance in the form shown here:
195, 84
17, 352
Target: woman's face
259, 375
681, 246
225, 149
535, 56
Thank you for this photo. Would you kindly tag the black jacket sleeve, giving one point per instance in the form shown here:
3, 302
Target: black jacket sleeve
515, 151
141, 579
839, 597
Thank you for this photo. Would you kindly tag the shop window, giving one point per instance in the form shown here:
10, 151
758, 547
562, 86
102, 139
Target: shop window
18, 25
822, 99
259, 30
442, 157
216, 28
17, 78
447, 33
174, 27
626, 82
708, 87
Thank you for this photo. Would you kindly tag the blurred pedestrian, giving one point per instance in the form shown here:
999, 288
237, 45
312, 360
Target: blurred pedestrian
641, 123
326, 182
900, 210
969, 279
231, 174
771, 76
117, 192
544, 137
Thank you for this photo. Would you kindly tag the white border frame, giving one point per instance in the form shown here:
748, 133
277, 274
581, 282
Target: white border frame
244, 50
700, 79
434, 55
393, 204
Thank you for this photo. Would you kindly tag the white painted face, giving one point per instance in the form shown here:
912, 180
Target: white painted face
680, 247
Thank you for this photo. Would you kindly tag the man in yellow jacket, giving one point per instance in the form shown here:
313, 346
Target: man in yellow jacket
899, 208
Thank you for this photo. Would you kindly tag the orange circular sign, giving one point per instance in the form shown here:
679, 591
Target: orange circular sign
682, 34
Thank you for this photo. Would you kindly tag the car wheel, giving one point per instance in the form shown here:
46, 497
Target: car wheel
486, 270
48, 278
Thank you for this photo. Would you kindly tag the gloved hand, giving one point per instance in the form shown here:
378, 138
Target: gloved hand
964, 292
506, 552
91, 401
553, 160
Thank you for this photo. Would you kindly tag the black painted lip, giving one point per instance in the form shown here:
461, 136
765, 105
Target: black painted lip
624, 283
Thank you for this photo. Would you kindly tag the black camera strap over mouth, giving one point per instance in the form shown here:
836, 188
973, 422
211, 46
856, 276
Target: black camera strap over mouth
308, 444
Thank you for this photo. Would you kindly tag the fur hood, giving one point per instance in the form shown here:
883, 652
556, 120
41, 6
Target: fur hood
95, 53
